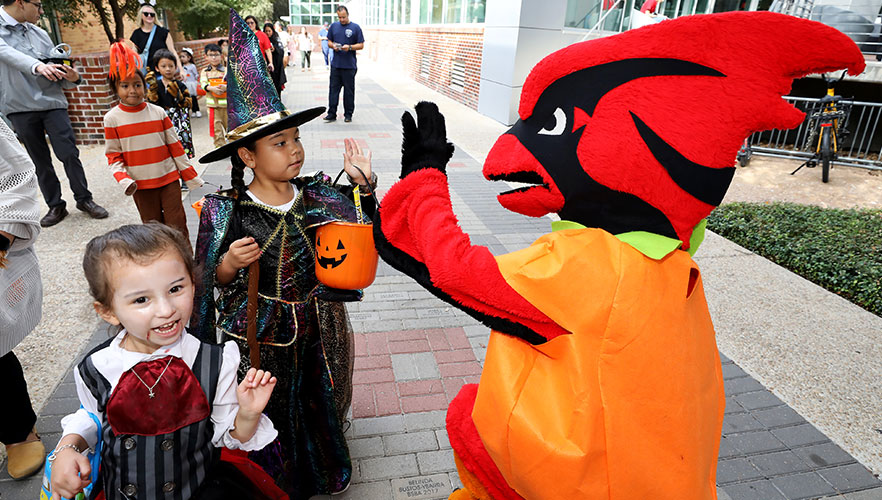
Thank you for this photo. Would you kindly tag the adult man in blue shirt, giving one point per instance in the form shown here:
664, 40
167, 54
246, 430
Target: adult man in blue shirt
344, 38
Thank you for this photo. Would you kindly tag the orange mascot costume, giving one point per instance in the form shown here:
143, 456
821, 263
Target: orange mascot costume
602, 378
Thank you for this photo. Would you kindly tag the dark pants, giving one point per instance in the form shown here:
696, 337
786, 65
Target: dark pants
344, 78
32, 128
163, 204
17, 418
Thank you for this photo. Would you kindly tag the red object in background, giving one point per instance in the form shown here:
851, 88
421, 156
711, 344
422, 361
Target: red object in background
211, 122
649, 6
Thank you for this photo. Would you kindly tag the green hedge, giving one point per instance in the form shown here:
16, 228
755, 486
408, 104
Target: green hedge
840, 250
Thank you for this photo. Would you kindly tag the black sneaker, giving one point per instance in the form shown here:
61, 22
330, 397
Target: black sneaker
94, 210
347, 119
330, 118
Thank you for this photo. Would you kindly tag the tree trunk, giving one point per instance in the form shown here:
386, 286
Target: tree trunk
118, 19
102, 15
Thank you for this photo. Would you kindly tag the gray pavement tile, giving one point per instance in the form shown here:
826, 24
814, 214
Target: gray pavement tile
775, 464
410, 442
757, 400
799, 435
850, 477
66, 390
727, 449
871, 494
378, 425
414, 366
443, 439
388, 467
823, 455
425, 420
724, 359
740, 422
779, 416
432, 462
754, 490
731, 370
24, 489
742, 385
366, 447
362, 491
806, 485
732, 406
751, 443
49, 424
60, 405
736, 470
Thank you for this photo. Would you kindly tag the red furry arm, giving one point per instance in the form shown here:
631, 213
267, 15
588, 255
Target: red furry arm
418, 234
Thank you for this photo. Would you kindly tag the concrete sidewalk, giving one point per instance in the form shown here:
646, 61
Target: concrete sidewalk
414, 352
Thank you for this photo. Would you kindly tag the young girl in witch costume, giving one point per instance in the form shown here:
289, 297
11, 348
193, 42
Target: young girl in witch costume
302, 332
167, 402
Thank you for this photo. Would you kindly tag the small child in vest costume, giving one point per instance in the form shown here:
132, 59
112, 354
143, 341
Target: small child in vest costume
167, 402
215, 92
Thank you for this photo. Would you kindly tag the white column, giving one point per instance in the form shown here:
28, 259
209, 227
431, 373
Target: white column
517, 35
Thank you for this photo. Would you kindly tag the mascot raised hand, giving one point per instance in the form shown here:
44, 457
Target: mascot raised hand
602, 378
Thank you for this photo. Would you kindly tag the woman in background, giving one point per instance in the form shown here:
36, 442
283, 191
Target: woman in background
277, 72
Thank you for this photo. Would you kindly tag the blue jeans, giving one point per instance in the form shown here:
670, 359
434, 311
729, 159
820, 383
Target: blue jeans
345, 79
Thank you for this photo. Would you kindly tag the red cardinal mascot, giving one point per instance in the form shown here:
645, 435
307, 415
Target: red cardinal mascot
602, 378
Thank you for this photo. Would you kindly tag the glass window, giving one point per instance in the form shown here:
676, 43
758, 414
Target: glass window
475, 11
584, 13
454, 11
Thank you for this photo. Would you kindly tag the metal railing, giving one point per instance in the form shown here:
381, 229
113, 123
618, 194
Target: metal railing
862, 148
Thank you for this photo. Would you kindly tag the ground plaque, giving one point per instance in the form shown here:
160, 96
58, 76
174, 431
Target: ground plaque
421, 488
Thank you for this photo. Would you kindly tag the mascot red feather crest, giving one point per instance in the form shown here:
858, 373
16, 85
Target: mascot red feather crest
602, 378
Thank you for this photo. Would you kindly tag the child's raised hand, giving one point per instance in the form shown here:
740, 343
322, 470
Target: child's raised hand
70, 474
242, 253
354, 156
254, 391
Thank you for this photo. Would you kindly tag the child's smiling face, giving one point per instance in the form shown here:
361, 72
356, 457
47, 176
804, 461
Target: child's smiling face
131, 91
152, 300
167, 68
277, 157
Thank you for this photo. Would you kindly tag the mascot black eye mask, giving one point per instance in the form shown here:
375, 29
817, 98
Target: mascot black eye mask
602, 378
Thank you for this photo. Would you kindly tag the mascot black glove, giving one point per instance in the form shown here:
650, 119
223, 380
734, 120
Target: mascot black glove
425, 142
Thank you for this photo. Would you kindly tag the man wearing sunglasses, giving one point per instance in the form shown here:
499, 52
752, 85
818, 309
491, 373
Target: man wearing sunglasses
31, 97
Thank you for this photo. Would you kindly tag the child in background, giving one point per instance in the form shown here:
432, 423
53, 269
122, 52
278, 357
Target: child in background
167, 402
190, 78
303, 333
166, 91
142, 148
213, 81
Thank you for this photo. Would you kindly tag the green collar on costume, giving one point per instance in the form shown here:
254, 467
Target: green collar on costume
654, 246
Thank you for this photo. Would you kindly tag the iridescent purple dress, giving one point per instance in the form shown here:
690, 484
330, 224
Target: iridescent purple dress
305, 341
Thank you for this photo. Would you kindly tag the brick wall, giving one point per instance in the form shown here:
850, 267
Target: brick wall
427, 54
92, 98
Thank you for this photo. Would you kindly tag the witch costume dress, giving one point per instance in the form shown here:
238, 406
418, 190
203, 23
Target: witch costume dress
305, 341
303, 332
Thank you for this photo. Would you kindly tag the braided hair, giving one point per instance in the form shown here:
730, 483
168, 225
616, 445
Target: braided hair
237, 179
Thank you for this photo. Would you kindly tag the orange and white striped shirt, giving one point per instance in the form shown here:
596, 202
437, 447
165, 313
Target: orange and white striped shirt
143, 148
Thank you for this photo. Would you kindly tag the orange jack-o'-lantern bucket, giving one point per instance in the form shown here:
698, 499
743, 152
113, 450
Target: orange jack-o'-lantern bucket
345, 256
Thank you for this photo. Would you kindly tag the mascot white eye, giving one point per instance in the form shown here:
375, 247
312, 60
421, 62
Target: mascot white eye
556, 124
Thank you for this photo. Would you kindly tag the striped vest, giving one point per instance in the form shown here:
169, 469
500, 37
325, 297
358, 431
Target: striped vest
167, 466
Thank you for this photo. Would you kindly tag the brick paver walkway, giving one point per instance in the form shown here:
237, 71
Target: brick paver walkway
414, 352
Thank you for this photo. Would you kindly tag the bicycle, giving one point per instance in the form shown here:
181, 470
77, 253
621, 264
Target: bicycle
827, 129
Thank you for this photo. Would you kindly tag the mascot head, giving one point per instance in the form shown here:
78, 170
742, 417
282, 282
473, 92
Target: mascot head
639, 131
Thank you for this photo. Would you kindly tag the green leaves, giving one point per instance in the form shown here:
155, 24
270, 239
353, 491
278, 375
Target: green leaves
840, 250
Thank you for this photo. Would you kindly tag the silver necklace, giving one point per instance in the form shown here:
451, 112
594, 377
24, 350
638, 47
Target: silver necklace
150, 387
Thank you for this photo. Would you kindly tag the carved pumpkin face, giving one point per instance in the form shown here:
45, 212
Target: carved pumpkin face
328, 258
345, 256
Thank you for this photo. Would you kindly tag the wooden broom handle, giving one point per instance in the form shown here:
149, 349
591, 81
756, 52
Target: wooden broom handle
251, 314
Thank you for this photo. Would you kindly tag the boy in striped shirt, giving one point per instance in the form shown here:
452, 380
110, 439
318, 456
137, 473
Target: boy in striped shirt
145, 155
